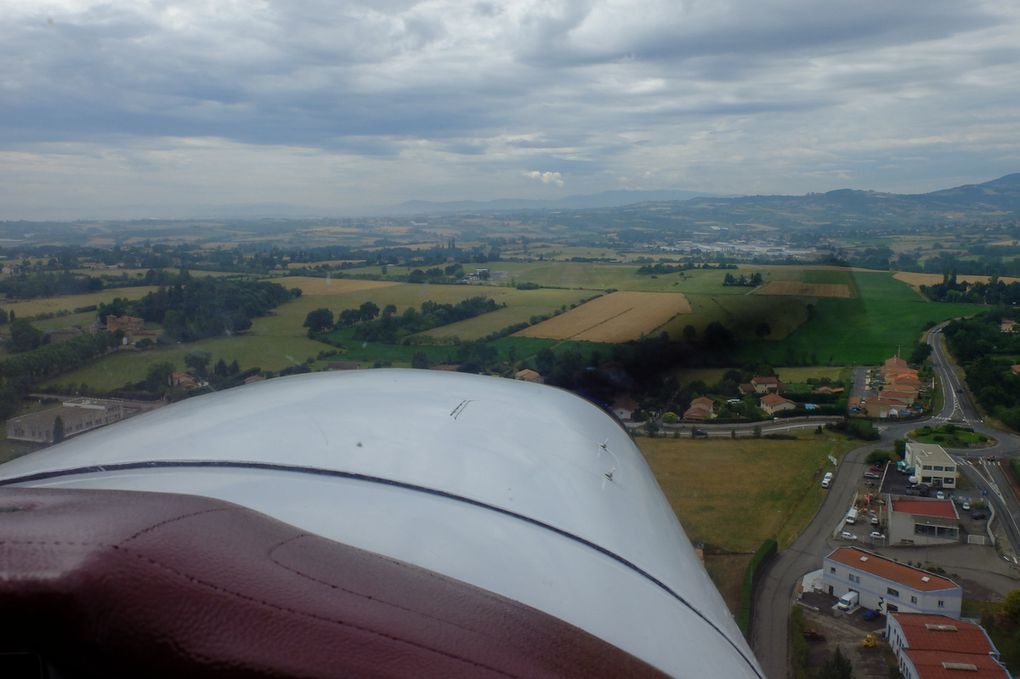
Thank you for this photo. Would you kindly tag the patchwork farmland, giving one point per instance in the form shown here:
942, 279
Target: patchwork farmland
617, 317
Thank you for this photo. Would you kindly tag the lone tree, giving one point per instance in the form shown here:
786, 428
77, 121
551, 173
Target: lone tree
198, 360
58, 429
318, 320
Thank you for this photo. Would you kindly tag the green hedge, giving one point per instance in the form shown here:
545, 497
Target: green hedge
764, 553
799, 651
1014, 464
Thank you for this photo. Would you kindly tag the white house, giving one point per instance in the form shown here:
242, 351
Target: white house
936, 646
888, 586
933, 464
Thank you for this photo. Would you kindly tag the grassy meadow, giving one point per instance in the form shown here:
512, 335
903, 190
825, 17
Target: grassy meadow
733, 494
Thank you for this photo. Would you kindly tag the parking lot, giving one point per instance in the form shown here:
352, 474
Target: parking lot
869, 528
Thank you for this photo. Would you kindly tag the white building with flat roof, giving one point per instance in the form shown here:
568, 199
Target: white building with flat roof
933, 465
888, 586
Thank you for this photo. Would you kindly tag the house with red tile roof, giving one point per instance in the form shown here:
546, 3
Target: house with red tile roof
774, 403
766, 384
888, 586
702, 408
939, 647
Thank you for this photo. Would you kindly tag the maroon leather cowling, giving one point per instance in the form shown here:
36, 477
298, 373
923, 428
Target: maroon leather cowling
113, 583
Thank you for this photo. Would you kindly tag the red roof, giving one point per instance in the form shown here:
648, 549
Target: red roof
920, 580
943, 665
942, 509
923, 632
775, 400
764, 379
895, 362
703, 401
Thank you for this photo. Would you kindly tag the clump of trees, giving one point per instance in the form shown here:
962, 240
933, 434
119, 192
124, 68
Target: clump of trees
369, 323
194, 308
752, 281
993, 292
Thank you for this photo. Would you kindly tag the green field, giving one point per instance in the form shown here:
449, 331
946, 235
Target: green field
887, 315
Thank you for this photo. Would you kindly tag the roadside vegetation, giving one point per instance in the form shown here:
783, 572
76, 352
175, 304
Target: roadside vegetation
988, 348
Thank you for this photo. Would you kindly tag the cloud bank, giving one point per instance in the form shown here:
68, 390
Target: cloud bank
145, 108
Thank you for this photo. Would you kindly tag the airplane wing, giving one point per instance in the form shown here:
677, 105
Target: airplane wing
386, 522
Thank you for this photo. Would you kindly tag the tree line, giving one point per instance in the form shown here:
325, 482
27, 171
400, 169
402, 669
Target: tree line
370, 324
994, 292
986, 354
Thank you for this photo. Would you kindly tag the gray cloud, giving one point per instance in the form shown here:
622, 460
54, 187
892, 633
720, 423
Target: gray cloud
464, 100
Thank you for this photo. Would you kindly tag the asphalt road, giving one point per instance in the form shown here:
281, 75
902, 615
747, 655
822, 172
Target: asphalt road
775, 593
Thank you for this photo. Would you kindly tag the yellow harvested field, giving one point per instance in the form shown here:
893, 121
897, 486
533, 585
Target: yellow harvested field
312, 286
798, 289
919, 279
616, 317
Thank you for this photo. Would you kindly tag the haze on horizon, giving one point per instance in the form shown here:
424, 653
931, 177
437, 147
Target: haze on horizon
152, 109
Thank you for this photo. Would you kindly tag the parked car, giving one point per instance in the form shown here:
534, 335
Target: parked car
979, 515
847, 535
877, 535
939, 495
875, 468
699, 434
872, 475
966, 505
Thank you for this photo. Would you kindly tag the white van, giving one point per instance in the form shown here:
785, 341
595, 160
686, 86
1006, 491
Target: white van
851, 516
849, 601
827, 480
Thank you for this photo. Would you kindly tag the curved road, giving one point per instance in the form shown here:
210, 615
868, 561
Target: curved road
775, 593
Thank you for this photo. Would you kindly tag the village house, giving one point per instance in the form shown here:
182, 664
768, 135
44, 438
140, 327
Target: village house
933, 464
702, 408
182, 380
766, 384
132, 327
624, 407
529, 375
774, 403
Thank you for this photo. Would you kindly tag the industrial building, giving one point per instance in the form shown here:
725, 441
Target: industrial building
888, 586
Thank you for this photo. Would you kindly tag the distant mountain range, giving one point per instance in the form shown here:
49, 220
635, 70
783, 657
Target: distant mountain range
995, 200
577, 202
843, 208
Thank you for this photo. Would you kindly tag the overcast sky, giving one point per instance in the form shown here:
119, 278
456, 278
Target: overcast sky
136, 108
